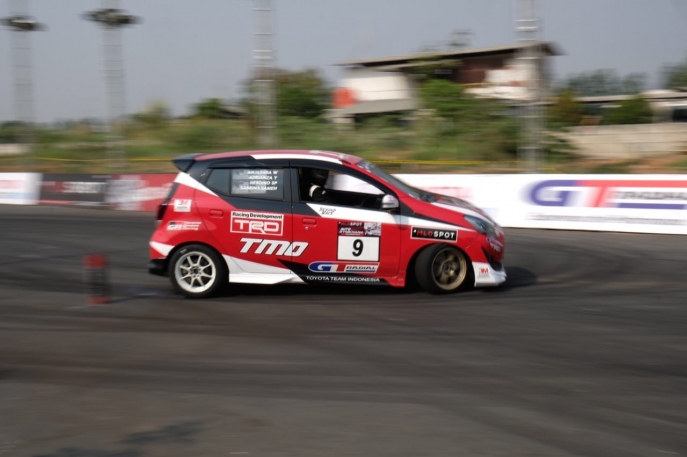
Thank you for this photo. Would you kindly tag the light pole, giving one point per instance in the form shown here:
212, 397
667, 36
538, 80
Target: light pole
112, 19
264, 72
529, 151
21, 24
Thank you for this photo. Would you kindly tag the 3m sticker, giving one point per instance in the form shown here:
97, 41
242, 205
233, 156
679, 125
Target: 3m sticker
182, 206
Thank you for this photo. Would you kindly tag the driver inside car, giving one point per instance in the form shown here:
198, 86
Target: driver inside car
314, 180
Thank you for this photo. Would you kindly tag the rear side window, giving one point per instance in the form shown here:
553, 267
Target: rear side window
262, 183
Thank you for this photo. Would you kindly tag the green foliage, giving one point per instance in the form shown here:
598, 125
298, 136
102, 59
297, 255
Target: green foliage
675, 76
209, 108
565, 111
10, 132
156, 115
603, 82
447, 99
298, 93
635, 110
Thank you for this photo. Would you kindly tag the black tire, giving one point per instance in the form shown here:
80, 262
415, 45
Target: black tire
197, 271
442, 269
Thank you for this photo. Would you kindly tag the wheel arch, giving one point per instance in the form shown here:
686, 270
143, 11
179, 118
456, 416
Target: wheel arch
188, 243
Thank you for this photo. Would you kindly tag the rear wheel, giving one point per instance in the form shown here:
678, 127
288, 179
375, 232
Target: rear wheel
441, 269
197, 271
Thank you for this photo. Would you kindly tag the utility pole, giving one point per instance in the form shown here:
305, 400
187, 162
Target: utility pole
113, 19
264, 72
527, 26
21, 24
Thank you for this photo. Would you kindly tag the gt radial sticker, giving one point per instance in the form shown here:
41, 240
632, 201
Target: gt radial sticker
183, 225
182, 206
359, 241
257, 223
433, 234
338, 267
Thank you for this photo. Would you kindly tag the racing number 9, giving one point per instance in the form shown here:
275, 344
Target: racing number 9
358, 247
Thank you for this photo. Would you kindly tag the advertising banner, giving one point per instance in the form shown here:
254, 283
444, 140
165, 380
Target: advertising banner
73, 189
138, 192
483, 191
19, 188
618, 203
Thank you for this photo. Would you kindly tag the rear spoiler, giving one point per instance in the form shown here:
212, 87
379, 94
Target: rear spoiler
183, 163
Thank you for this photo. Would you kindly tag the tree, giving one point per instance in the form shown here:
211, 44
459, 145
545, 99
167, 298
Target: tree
675, 76
447, 99
566, 110
155, 115
302, 93
209, 108
635, 110
603, 82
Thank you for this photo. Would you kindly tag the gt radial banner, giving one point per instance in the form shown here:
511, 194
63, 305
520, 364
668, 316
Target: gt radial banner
19, 188
619, 203
73, 189
138, 192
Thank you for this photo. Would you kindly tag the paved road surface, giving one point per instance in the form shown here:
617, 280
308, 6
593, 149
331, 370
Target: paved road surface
582, 353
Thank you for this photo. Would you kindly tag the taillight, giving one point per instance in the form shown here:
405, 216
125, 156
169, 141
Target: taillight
161, 208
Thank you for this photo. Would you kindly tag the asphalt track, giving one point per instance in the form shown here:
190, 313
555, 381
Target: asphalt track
582, 353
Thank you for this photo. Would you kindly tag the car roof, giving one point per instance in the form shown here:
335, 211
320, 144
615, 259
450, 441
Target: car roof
324, 156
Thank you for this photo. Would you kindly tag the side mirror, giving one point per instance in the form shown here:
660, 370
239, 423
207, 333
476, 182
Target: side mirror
390, 202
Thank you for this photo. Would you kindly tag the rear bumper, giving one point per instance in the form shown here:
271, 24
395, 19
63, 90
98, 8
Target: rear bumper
157, 267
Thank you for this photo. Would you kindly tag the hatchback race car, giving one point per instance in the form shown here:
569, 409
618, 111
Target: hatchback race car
273, 217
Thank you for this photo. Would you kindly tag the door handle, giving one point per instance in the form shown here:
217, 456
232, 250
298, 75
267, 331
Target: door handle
216, 213
309, 221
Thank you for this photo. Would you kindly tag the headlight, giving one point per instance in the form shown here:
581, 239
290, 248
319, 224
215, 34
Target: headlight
483, 226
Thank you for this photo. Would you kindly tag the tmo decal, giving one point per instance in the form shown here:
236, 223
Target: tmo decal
256, 223
338, 267
610, 193
273, 247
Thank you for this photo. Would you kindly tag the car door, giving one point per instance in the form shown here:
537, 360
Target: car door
250, 219
351, 239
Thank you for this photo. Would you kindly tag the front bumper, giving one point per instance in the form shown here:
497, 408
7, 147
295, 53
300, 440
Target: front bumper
487, 276
157, 267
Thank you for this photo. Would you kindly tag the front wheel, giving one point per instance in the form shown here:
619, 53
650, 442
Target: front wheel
197, 271
441, 269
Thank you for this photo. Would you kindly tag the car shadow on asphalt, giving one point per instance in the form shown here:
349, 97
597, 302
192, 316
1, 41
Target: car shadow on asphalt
518, 277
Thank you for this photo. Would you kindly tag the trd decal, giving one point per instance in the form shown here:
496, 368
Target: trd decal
433, 234
273, 247
338, 267
257, 223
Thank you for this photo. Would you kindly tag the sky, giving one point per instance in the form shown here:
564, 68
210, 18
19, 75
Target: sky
187, 50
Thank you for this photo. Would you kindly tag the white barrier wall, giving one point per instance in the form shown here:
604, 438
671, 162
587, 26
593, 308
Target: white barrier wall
19, 188
617, 203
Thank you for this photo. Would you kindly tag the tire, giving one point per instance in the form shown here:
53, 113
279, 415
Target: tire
442, 269
197, 271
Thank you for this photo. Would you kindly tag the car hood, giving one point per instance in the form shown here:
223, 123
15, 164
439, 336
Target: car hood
456, 204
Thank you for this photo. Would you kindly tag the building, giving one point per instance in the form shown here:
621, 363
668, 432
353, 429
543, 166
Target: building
387, 85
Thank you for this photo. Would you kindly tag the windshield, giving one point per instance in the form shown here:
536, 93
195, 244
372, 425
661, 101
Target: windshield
384, 176
394, 181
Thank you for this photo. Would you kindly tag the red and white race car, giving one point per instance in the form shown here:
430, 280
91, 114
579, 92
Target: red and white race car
272, 217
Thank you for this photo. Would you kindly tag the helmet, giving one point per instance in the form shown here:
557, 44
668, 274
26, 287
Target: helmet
318, 176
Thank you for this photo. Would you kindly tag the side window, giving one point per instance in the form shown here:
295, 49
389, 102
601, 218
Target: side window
262, 183
335, 188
